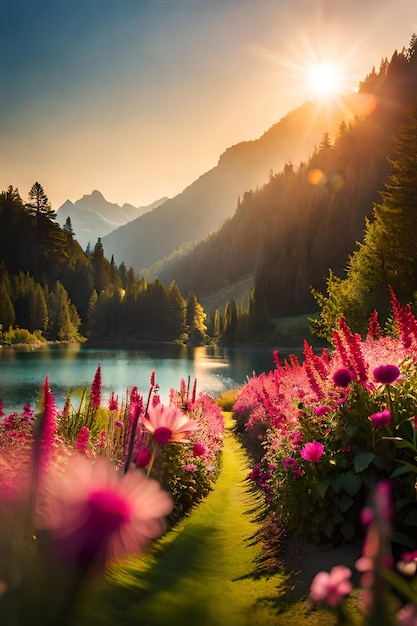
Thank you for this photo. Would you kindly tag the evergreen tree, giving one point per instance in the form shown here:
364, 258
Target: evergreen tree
68, 230
38, 202
7, 314
176, 322
196, 318
387, 255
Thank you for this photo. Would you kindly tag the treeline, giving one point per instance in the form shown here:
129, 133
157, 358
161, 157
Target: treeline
51, 287
307, 219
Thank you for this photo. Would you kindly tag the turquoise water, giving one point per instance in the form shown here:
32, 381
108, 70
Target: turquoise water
72, 366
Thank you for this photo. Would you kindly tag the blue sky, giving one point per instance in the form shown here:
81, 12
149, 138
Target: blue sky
137, 98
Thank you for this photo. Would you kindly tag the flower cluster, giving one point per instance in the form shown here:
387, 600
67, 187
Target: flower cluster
334, 425
82, 487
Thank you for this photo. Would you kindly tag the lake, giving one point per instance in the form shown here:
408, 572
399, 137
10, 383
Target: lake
72, 366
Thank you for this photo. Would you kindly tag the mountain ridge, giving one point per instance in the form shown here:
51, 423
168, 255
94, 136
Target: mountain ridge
208, 201
92, 216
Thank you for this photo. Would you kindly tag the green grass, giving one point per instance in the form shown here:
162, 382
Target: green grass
206, 571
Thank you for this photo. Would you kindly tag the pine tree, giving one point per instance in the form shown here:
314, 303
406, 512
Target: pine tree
38, 202
387, 255
196, 320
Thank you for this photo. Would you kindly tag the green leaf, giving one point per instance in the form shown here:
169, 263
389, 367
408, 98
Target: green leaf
362, 461
337, 483
351, 483
323, 486
344, 502
402, 470
401, 585
401, 443
348, 530
411, 518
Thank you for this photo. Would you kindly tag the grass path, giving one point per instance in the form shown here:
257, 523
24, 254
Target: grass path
204, 573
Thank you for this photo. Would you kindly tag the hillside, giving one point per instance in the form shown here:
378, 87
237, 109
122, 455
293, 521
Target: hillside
207, 202
307, 219
92, 216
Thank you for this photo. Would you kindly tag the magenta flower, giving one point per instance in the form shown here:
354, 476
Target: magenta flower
292, 464
83, 439
386, 374
144, 457
331, 587
343, 377
381, 419
47, 425
312, 451
321, 410
97, 512
168, 424
199, 449
95, 393
113, 402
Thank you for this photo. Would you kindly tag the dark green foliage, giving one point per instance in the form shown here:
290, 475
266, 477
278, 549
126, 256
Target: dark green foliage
387, 255
48, 284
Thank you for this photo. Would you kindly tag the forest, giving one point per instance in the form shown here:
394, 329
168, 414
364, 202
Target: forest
298, 234
308, 219
52, 289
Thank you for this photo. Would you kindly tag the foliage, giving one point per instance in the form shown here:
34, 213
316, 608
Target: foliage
332, 427
386, 257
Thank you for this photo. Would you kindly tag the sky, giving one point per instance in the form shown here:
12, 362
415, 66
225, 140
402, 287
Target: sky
138, 98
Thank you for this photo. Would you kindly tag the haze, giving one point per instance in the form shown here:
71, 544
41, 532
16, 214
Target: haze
138, 98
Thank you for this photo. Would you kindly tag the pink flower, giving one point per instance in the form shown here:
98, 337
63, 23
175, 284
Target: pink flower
386, 374
199, 449
321, 410
144, 457
47, 424
168, 424
113, 402
83, 439
292, 464
97, 512
95, 393
312, 451
331, 587
407, 616
342, 377
381, 419
190, 467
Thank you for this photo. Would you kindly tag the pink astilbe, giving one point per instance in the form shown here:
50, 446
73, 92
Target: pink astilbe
83, 440
374, 328
315, 369
113, 402
95, 393
46, 426
96, 512
353, 342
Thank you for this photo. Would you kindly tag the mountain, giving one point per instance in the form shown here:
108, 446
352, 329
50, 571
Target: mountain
207, 202
93, 216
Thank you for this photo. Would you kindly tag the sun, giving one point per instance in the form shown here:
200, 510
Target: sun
325, 79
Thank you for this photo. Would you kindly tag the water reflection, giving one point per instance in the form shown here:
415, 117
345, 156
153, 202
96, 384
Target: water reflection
71, 367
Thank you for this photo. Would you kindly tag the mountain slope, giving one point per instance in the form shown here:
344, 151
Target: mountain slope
92, 216
205, 204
